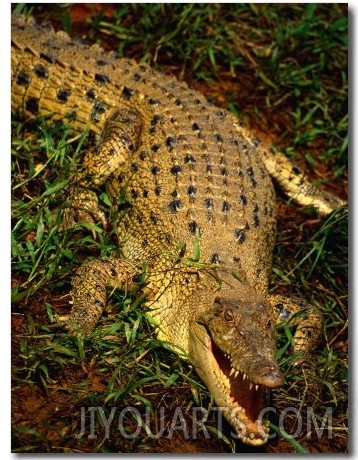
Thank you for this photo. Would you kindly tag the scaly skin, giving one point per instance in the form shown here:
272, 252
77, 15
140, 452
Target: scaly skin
191, 178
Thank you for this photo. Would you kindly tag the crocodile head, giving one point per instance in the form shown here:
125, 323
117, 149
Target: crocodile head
232, 346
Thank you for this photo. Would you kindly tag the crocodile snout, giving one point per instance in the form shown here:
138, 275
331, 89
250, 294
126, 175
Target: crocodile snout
267, 373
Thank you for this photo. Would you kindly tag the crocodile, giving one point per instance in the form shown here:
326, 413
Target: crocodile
193, 206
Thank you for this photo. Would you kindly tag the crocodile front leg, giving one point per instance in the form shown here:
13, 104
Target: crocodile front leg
290, 178
119, 140
89, 290
295, 311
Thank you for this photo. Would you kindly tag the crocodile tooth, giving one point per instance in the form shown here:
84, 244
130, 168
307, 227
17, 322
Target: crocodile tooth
251, 385
256, 387
236, 374
231, 372
244, 376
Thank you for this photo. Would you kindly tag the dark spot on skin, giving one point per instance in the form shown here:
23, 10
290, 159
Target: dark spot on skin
144, 243
226, 206
153, 217
127, 93
173, 120
250, 172
209, 203
41, 71
218, 137
47, 57
240, 235
139, 218
224, 171
168, 238
243, 199
136, 279
156, 120
152, 101
171, 141
193, 227
255, 143
124, 206
175, 205
177, 101
176, 169
237, 260
23, 79
101, 78
214, 258
143, 155
32, 105
100, 107
191, 191
296, 170
256, 208
155, 147
158, 190
91, 95
121, 177
145, 193
189, 159
234, 142
256, 220
63, 95
126, 120
112, 151
195, 127
113, 272
134, 167
101, 63
98, 110
155, 170
134, 193
209, 169
174, 193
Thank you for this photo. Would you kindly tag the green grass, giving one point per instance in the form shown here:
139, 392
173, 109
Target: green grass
283, 68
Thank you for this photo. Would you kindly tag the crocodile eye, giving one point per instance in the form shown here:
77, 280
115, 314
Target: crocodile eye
229, 316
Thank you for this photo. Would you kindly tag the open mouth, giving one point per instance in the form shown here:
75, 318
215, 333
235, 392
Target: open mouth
245, 399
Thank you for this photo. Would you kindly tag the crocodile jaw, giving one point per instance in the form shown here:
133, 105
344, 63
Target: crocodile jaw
239, 400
